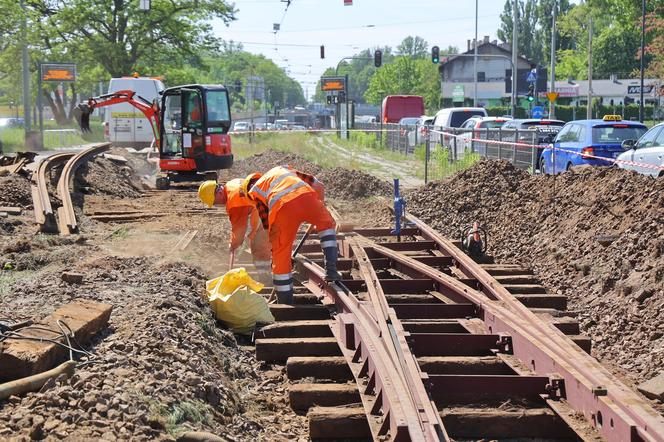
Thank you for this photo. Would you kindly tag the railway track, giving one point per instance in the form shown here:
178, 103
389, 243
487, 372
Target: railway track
420, 343
46, 219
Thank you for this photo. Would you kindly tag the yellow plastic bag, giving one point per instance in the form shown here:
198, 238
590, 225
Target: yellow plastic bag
234, 301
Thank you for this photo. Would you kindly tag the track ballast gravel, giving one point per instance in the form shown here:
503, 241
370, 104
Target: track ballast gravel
601, 243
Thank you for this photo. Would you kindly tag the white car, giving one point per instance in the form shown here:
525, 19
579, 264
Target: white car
240, 126
649, 149
420, 134
464, 142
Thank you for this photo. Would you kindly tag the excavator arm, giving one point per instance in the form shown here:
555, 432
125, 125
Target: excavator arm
150, 110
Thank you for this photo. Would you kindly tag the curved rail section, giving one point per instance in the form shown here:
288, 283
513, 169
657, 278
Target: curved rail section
44, 214
66, 216
438, 344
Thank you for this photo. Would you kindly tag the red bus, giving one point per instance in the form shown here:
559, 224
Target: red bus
395, 107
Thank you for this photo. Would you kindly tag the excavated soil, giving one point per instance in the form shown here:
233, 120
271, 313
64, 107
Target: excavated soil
599, 242
15, 191
339, 183
162, 367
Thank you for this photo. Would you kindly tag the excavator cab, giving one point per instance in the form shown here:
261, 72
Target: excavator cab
195, 121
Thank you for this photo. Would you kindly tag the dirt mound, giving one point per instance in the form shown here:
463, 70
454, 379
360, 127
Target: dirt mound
102, 176
343, 183
600, 243
339, 183
15, 191
162, 366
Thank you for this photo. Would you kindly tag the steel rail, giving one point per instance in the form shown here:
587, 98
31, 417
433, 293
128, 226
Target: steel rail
66, 216
386, 399
402, 356
41, 202
614, 410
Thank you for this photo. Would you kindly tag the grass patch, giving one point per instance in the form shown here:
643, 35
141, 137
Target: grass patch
13, 138
178, 417
440, 165
120, 233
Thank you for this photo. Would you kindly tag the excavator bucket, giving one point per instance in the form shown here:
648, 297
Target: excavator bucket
82, 114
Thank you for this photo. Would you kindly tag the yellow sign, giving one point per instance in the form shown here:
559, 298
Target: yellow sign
126, 115
552, 96
612, 118
58, 72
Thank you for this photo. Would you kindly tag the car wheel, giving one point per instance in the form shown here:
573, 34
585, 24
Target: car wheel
542, 167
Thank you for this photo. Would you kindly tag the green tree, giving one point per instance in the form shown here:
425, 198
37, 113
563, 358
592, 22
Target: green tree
405, 76
413, 47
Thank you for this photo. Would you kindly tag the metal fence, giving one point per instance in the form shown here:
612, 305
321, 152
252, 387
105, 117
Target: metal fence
447, 150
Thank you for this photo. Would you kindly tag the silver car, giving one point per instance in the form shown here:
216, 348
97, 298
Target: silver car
649, 149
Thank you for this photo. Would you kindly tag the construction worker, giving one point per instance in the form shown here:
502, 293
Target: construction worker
242, 214
285, 198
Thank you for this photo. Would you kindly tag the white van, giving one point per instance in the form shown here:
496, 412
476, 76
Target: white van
456, 116
124, 125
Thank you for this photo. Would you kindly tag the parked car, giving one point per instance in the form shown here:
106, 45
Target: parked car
597, 138
395, 107
546, 131
421, 132
240, 126
454, 117
464, 142
648, 149
11, 122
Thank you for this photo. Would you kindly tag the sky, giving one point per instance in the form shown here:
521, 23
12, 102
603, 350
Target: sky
346, 30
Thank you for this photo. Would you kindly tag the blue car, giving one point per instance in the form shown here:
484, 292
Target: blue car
581, 140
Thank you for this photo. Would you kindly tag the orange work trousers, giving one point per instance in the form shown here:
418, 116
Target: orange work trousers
283, 231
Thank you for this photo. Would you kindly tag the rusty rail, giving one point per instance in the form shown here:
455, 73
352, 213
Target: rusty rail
546, 368
44, 214
67, 223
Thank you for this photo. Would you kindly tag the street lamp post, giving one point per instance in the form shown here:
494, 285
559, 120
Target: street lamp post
643, 39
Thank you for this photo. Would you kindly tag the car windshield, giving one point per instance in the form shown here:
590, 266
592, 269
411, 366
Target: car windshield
409, 121
458, 118
616, 133
495, 124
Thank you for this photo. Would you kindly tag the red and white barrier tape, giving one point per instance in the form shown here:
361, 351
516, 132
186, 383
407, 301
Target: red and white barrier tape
559, 149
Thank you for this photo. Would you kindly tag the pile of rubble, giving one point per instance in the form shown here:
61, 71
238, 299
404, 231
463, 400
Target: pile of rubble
339, 183
594, 235
162, 367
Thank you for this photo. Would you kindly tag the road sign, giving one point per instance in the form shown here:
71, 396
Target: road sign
538, 112
552, 96
532, 76
58, 72
458, 94
332, 84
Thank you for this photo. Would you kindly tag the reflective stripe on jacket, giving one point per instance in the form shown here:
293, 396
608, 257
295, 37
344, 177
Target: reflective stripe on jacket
276, 187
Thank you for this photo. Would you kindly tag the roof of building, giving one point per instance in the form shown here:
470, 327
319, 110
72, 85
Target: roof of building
485, 45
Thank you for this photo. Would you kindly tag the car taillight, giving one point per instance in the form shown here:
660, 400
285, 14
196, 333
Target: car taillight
587, 152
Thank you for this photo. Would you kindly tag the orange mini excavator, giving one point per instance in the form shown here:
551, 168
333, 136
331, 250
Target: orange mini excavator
190, 129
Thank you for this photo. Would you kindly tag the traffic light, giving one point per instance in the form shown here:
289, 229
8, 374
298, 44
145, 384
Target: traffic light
531, 93
378, 58
322, 51
435, 54
238, 85
328, 99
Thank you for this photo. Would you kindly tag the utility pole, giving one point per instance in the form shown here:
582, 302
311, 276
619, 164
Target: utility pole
515, 52
475, 60
552, 103
26, 73
589, 107
643, 37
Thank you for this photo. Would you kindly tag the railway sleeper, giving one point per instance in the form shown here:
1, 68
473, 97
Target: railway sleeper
460, 422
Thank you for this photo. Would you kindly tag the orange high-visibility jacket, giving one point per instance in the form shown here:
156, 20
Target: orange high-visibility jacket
278, 186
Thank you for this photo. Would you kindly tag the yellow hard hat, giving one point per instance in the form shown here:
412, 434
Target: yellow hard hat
244, 189
206, 192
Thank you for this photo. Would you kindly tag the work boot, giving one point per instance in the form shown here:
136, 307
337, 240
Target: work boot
285, 297
331, 256
283, 285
